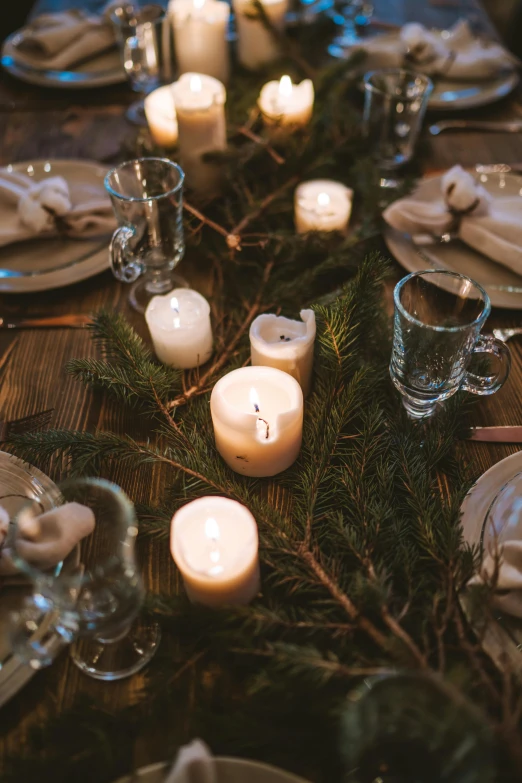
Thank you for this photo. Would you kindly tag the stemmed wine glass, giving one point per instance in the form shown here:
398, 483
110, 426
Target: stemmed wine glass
93, 604
356, 15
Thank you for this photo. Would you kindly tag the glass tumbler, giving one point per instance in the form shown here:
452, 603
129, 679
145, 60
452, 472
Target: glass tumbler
395, 103
147, 198
437, 323
94, 603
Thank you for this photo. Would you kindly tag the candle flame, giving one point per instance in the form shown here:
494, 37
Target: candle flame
254, 399
212, 529
195, 83
198, 4
174, 304
323, 199
285, 87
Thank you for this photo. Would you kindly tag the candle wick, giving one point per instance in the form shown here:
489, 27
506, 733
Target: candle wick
267, 426
256, 407
284, 339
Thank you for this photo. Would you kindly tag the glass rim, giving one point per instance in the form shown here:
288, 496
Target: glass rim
479, 320
428, 83
170, 163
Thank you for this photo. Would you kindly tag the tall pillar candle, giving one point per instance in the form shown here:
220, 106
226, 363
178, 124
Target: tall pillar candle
214, 543
257, 413
200, 36
179, 324
285, 344
161, 116
200, 109
322, 205
257, 46
285, 106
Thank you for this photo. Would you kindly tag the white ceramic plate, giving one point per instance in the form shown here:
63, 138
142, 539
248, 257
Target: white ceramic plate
503, 286
43, 264
99, 72
229, 770
18, 482
502, 638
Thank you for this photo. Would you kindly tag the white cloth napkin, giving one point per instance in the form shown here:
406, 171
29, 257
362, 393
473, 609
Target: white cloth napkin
508, 565
60, 41
490, 225
47, 539
50, 207
459, 56
194, 764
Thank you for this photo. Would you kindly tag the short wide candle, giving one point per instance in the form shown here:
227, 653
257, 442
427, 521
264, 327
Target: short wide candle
286, 106
322, 205
257, 414
200, 36
257, 46
288, 345
179, 324
161, 116
214, 543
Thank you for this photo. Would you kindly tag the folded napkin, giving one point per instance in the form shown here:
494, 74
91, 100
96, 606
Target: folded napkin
459, 56
60, 41
45, 540
490, 225
194, 764
506, 568
50, 207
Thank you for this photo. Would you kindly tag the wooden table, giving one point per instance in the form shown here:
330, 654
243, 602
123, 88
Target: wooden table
36, 123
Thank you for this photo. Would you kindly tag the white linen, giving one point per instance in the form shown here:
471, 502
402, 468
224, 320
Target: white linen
490, 225
194, 764
506, 568
460, 56
29, 209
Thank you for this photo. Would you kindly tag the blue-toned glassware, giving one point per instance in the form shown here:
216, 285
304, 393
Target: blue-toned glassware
147, 198
437, 322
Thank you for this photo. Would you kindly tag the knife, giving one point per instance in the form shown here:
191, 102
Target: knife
497, 434
75, 321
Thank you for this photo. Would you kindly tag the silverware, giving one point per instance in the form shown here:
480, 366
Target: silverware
32, 423
506, 334
507, 126
78, 321
497, 434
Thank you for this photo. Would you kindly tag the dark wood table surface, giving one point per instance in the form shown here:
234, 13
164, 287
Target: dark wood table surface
36, 123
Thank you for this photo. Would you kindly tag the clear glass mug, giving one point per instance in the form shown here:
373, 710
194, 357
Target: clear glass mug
147, 198
395, 102
92, 603
437, 322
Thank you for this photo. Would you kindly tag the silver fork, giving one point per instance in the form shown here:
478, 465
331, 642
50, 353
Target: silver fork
507, 334
32, 423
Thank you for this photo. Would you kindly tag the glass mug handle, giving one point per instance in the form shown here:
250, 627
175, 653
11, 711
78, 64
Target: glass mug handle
489, 384
125, 267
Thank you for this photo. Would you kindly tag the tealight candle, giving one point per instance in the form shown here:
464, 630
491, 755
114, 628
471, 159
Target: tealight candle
257, 46
200, 108
322, 205
257, 414
286, 105
214, 543
161, 116
285, 344
179, 324
200, 36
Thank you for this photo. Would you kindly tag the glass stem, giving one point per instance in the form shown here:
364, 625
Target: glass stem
158, 281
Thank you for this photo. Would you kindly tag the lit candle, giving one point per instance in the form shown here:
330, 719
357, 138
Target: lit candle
285, 344
200, 108
179, 324
257, 46
200, 36
322, 205
214, 543
257, 414
161, 116
285, 105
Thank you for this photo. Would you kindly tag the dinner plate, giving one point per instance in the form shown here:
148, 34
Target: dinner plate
501, 639
18, 483
229, 770
502, 284
101, 71
53, 262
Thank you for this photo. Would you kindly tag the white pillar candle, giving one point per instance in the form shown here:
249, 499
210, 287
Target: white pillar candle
257, 46
179, 324
214, 543
322, 205
200, 109
200, 36
257, 414
287, 345
285, 105
161, 116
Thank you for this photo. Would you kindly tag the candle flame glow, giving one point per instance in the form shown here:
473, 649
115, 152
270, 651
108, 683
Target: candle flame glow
323, 199
285, 87
195, 83
198, 4
254, 399
174, 304
212, 529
